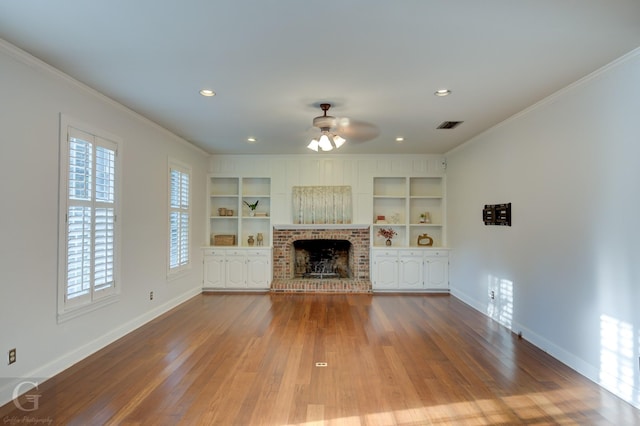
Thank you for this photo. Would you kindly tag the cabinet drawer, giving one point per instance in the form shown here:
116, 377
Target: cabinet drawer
384, 253
261, 253
410, 253
437, 253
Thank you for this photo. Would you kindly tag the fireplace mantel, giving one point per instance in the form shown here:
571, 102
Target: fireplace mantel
295, 226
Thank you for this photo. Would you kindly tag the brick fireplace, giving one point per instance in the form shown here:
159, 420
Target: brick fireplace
284, 237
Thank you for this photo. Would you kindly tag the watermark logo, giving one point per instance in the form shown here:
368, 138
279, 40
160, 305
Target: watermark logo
32, 399
28, 399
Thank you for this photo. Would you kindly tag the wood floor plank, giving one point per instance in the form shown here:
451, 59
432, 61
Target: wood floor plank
250, 359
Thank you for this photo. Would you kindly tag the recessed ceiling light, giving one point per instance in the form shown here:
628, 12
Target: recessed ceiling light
251, 140
207, 92
442, 92
399, 139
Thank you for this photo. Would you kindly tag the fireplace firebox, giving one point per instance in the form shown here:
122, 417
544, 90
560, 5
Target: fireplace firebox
321, 258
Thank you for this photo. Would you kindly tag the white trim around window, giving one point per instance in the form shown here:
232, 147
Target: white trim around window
179, 218
89, 225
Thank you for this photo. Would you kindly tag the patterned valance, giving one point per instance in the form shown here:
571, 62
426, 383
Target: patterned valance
321, 204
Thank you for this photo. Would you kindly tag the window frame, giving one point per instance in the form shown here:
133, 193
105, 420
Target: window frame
95, 295
183, 168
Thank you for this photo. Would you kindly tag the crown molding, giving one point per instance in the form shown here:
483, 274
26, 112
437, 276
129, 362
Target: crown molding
33, 62
553, 97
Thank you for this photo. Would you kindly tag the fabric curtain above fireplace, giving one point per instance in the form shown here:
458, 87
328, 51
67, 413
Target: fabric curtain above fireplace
321, 204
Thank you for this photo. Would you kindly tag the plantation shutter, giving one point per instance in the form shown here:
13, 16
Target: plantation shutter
90, 217
179, 212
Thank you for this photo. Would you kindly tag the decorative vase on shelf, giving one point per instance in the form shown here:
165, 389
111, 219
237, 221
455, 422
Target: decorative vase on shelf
260, 238
252, 213
250, 240
388, 242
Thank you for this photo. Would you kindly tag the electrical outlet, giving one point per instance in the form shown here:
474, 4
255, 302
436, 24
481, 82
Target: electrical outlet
150, 295
12, 356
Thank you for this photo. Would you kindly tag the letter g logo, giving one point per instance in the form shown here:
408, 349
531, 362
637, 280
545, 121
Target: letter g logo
33, 399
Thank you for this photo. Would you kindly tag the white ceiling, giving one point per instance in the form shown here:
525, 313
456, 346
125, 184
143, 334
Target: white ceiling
272, 62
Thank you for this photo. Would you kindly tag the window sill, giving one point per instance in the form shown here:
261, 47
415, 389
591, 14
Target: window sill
179, 273
74, 312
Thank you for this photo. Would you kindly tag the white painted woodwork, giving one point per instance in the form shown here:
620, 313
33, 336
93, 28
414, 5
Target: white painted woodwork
231, 192
409, 270
258, 269
214, 270
401, 200
436, 270
403, 183
384, 271
357, 171
237, 268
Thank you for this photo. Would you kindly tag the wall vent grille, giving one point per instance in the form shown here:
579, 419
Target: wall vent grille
449, 124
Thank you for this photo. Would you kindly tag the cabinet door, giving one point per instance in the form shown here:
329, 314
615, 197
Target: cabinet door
436, 270
385, 270
258, 270
214, 271
411, 276
235, 269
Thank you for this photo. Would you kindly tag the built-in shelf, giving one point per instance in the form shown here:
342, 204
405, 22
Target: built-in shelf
399, 202
230, 194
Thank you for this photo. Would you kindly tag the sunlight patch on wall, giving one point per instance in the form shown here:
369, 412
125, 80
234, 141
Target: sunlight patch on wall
500, 307
617, 358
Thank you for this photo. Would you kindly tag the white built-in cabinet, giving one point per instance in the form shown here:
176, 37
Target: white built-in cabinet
399, 202
239, 265
406, 265
237, 268
417, 269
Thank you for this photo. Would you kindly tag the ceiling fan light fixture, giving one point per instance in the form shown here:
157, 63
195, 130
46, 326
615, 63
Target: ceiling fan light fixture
325, 143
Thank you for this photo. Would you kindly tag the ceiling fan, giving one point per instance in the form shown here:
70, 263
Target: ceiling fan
335, 131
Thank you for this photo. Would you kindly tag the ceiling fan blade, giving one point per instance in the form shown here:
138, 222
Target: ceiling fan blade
356, 131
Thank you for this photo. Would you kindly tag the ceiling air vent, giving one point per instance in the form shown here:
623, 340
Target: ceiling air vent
449, 124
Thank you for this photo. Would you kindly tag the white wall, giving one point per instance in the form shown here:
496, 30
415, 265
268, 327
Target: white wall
567, 273
33, 97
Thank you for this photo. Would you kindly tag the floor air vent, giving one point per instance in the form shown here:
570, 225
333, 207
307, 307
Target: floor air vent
449, 124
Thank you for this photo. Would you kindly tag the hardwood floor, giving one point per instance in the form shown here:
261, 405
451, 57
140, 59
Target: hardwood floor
250, 359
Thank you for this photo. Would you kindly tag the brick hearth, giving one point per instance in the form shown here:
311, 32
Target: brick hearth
285, 235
